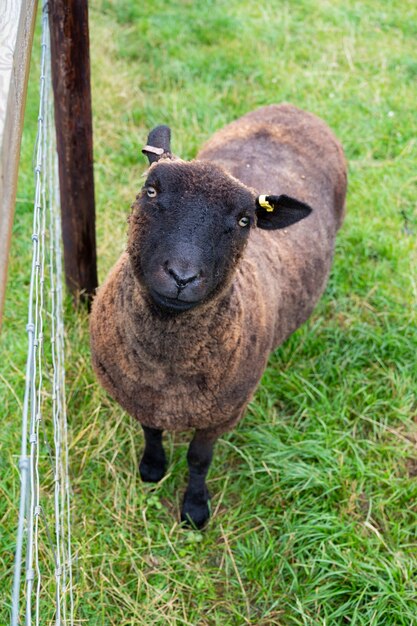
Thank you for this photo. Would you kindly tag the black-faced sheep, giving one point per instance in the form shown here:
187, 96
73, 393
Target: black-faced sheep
215, 277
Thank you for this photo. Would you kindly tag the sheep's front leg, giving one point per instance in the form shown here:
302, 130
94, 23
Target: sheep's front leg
153, 463
195, 508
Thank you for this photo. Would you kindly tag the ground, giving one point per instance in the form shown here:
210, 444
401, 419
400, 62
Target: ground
314, 494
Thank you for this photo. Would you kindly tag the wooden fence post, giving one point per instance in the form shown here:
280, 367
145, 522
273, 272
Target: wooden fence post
17, 25
73, 121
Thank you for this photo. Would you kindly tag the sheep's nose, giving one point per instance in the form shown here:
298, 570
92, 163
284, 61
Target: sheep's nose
182, 277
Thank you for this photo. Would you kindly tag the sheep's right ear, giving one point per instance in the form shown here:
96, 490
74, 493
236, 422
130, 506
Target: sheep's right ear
159, 144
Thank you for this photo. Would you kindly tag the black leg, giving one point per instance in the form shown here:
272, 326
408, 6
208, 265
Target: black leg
195, 509
153, 464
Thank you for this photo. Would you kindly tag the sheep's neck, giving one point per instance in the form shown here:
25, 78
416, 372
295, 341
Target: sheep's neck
187, 341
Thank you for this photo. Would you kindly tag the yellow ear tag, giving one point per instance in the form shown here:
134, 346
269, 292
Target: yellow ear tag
263, 202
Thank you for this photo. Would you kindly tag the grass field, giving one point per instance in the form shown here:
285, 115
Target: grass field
315, 493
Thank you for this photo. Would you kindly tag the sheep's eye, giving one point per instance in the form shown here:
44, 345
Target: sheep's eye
151, 192
244, 221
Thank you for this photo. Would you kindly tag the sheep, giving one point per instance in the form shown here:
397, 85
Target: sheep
227, 255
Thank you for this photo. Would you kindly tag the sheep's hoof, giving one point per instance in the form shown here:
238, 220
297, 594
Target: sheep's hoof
195, 510
151, 472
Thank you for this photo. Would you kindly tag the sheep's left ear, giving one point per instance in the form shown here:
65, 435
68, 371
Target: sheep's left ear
275, 212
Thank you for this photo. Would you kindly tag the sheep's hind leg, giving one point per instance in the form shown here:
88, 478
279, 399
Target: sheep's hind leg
153, 463
195, 508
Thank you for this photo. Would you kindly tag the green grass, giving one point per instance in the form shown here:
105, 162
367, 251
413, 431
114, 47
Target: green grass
315, 493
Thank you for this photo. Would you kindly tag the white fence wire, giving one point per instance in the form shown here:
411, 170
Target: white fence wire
44, 594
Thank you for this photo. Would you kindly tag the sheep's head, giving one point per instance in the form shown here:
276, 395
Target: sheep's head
190, 224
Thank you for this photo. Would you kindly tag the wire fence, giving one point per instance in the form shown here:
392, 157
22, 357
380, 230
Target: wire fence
43, 578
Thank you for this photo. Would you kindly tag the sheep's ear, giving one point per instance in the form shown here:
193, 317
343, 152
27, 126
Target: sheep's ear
159, 144
274, 212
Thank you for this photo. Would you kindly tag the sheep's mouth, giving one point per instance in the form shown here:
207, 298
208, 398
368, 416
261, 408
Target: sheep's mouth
171, 305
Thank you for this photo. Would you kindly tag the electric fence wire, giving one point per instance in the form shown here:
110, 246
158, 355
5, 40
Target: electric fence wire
44, 522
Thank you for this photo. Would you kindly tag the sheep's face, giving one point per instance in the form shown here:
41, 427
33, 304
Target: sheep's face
188, 229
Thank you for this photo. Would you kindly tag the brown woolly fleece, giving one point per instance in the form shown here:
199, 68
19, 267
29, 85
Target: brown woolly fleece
200, 368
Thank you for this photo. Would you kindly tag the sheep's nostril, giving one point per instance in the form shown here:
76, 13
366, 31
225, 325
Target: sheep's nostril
182, 279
